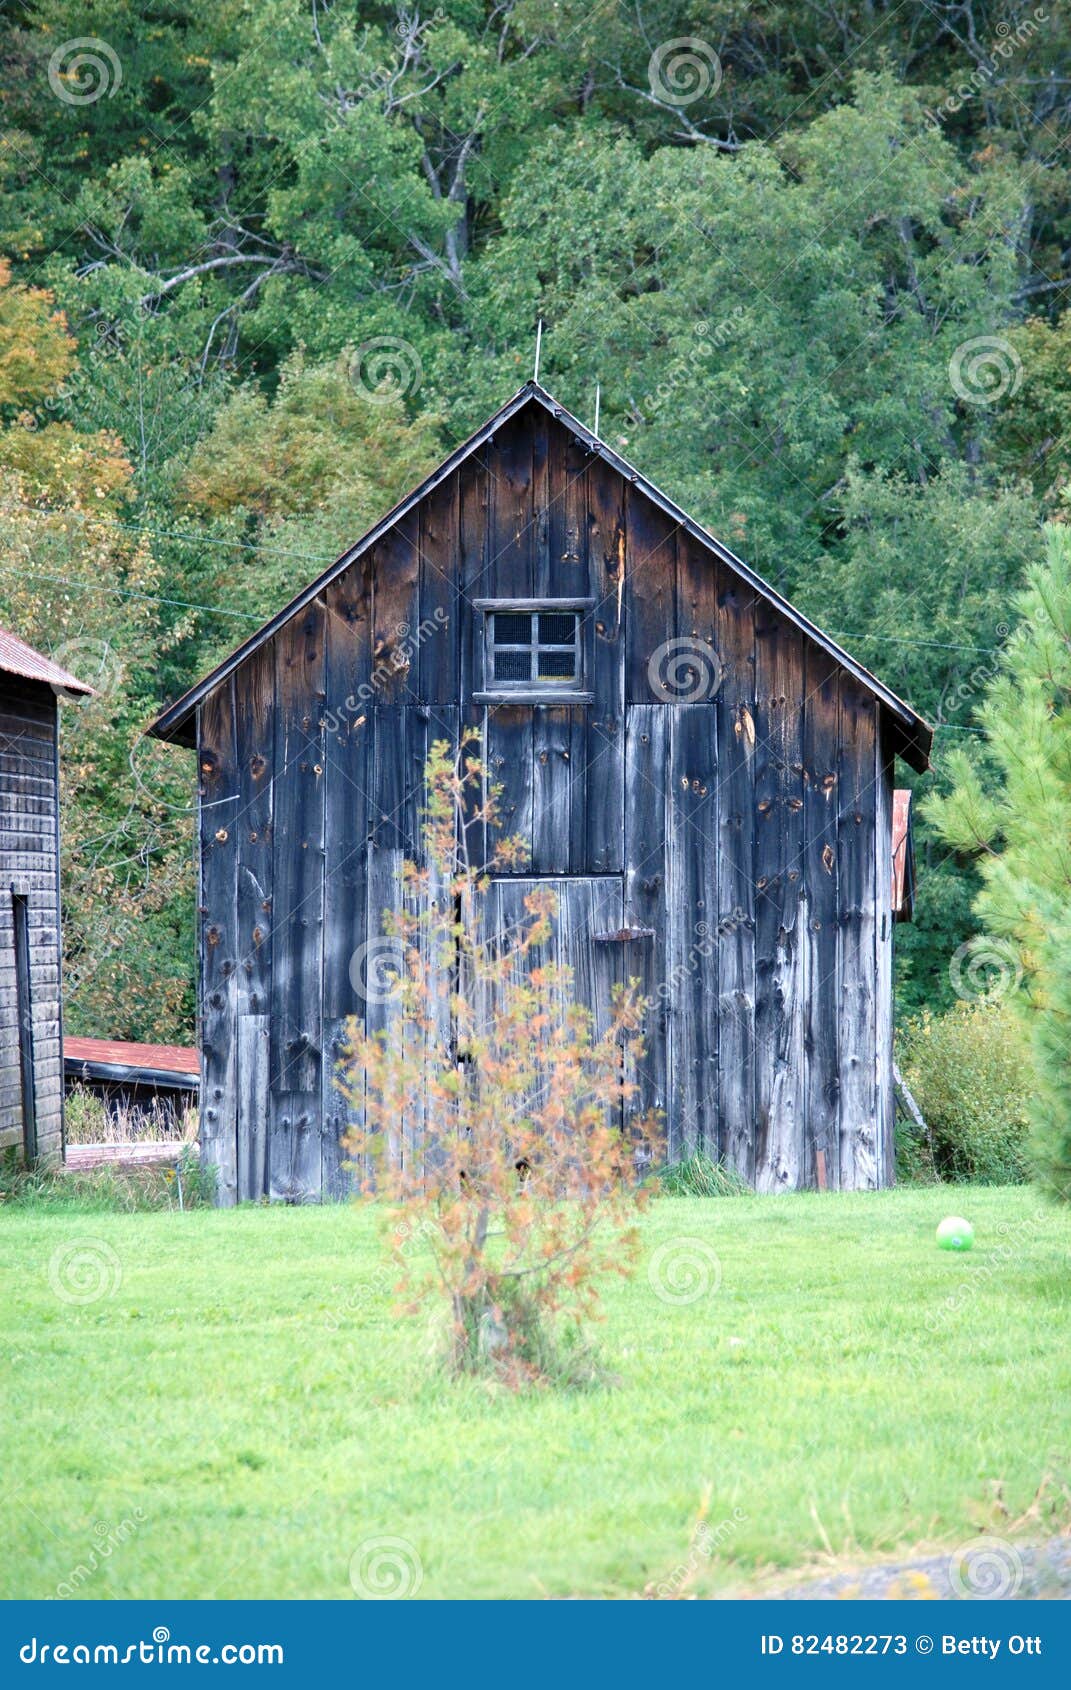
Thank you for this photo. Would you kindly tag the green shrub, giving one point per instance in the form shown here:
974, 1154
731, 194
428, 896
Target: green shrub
971, 1076
85, 1118
701, 1176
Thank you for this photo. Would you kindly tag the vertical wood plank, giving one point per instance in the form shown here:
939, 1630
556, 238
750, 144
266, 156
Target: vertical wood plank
297, 945
883, 947
735, 710
857, 858
646, 760
512, 557
780, 954
569, 466
395, 611
509, 752
821, 729
474, 534
435, 635
604, 751
543, 469
218, 810
650, 582
347, 776
552, 789
692, 906
255, 746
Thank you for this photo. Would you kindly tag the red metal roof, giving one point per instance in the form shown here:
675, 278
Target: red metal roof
18, 658
170, 1059
901, 842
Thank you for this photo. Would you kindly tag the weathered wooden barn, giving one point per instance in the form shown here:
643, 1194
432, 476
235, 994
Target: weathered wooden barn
31, 1062
705, 777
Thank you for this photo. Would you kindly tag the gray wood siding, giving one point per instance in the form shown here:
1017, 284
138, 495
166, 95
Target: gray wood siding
746, 824
29, 865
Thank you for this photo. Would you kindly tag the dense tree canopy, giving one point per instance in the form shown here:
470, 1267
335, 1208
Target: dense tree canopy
265, 260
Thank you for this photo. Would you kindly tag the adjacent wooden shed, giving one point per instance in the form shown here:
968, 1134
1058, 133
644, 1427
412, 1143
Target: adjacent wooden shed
31, 1062
704, 776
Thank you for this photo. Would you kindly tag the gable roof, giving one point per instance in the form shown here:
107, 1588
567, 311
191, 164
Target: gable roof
914, 736
18, 658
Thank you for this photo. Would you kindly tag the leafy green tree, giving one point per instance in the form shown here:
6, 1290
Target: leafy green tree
1012, 808
76, 582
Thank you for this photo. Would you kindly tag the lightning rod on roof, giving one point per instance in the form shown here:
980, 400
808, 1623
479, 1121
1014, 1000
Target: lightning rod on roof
598, 394
539, 348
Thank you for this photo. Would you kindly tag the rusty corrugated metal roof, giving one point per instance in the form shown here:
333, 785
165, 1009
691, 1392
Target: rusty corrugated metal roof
119, 1053
18, 658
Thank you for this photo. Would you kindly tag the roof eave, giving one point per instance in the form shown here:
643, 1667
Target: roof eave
913, 737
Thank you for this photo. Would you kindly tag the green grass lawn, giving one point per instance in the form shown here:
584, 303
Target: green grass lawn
248, 1402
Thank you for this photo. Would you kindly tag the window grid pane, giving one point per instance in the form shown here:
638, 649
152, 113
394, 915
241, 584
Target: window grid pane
535, 648
512, 628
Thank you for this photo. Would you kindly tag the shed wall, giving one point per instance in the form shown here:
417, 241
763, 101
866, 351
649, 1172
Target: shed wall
29, 867
749, 827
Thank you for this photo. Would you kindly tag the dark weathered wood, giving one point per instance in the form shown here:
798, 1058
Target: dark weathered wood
435, 636
218, 812
395, 614
255, 751
884, 928
348, 736
604, 722
25, 1007
513, 537
717, 776
780, 953
646, 761
474, 573
692, 899
736, 737
509, 753
298, 903
821, 728
557, 786
857, 856
651, 584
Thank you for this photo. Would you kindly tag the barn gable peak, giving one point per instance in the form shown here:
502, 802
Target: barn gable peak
912, 736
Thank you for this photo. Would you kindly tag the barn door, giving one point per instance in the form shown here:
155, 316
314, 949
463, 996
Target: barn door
588, 935
24, 1003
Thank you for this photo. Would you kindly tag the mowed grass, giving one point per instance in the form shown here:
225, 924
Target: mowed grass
246, 1398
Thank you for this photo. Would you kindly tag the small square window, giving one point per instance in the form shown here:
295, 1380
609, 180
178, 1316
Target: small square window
533, 647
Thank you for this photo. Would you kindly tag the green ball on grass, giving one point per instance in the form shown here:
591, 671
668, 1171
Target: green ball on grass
954, 1233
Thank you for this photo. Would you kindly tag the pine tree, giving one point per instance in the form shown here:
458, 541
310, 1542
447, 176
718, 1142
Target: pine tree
1019, 825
